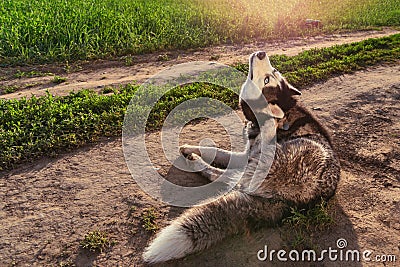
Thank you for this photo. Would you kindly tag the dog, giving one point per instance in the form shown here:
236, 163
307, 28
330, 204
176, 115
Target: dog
303, 171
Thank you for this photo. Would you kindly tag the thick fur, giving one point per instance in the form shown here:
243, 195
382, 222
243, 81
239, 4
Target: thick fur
202, 226
172, 240
303, 171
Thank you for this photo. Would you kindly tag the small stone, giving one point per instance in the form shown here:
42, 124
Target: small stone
387, 184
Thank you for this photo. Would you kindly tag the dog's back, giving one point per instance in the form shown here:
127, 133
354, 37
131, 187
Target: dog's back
300, 122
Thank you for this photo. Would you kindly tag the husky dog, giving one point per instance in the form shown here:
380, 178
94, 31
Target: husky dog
303, 171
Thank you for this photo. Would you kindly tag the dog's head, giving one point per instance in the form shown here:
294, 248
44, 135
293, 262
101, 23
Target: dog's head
275, 88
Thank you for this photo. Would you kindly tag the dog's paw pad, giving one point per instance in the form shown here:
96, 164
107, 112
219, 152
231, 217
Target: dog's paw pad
185, 150
192, 156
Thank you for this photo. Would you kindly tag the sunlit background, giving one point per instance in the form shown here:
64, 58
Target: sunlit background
48, 30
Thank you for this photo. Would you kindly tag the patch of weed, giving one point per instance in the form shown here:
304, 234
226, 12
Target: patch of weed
149, 217
30, 85
30, 74
163, 57
128, 60
9, 89
58, 79
107, 90
214, 57
96, 241
300, 225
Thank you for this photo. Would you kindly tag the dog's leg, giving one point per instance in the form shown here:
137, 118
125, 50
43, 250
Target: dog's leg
195, 162
221, 157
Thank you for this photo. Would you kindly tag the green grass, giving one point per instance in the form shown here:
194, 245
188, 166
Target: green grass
23, 74
96, 241
8, 89
33, 127
299, 226
149, 217
316, 217
55, 30
58, 79
37, 126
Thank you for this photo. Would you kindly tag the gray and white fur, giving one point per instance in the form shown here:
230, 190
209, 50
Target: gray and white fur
304, 170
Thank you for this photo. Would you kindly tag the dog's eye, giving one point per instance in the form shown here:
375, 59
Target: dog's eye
266, 80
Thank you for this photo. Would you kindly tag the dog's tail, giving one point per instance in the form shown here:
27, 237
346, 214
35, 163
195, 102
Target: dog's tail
202, 226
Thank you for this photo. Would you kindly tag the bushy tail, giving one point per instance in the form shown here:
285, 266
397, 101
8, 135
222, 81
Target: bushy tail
171, 243
202, 226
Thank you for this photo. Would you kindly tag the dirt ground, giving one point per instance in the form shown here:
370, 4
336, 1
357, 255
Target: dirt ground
48, 206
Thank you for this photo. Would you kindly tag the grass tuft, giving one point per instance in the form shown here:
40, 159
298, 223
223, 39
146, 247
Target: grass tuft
57, 79
149, 217
316, 217
9, 89
96, 241
23, 74
299, 227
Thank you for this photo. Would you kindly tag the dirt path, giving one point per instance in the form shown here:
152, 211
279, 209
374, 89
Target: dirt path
48, 206
99, 74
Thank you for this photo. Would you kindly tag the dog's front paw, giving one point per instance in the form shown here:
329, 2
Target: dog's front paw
195, 162
186, 150
193, 156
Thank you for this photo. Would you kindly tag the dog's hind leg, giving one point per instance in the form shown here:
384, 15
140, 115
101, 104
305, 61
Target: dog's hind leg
218, 156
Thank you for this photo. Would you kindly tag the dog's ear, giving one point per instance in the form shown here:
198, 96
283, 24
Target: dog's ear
286, 86
276, 111
290, 88
293, 90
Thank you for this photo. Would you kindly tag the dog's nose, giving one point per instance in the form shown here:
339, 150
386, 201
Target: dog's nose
261, 55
